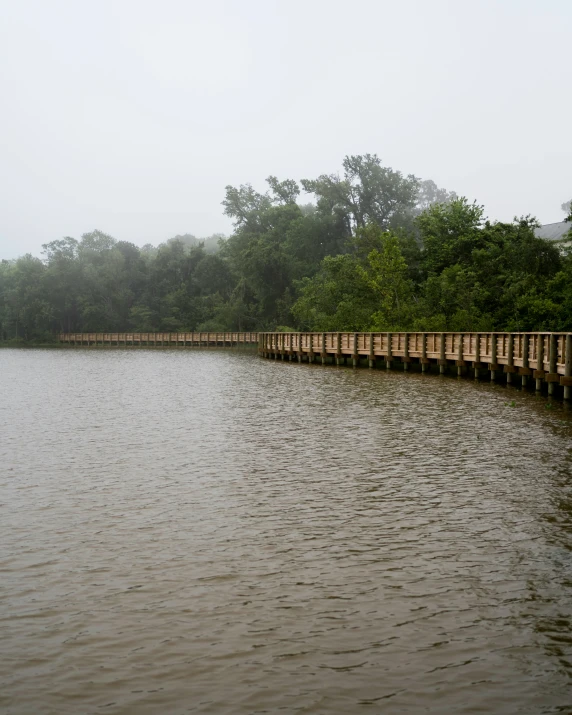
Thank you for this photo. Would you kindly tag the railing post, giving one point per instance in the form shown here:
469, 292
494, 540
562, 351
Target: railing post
442, 360
510, 360
371, 351
406, 352
539, 361
477, 363
389, 351
324, 353
339, 357
355, 357
493, 356
568, 368
460, 353
311, 346
423, 352
552, 369
525, 365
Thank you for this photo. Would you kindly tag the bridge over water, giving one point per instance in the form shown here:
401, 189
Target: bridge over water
543, 357
177, 339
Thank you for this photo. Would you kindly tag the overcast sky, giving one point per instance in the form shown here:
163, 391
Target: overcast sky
132, 116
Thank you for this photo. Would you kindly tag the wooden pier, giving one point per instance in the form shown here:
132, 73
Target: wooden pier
545, 358
200, 339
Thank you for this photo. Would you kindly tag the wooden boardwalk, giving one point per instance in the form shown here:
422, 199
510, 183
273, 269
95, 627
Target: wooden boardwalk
204, 339
543, 357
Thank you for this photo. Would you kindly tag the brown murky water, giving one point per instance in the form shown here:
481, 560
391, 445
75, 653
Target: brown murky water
208, 532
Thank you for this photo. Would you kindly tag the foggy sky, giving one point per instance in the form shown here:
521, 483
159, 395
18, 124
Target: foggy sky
131, 116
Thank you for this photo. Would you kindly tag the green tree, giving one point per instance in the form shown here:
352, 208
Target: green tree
367, 193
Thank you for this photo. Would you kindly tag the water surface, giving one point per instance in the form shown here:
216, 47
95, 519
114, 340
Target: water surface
203, 531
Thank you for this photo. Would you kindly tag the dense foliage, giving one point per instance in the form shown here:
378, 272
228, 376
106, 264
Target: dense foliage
376, 250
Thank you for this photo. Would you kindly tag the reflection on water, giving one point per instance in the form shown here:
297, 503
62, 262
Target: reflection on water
209, 532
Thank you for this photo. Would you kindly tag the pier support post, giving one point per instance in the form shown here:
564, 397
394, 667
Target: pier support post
539, 360
525, 349
552, 358
406, 353
355, 356
371, 352
568, 367
493, 356
442, 362
339, 356
460, 355
389, 352
510, 359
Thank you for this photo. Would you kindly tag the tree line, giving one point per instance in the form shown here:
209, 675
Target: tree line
374, 250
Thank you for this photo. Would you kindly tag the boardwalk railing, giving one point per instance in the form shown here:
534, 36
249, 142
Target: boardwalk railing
546, 357
160, 339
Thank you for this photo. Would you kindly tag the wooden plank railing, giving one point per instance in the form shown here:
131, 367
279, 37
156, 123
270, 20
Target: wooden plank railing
160, 339
543, 356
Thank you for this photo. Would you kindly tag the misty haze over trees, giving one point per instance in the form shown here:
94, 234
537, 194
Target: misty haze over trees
373, 250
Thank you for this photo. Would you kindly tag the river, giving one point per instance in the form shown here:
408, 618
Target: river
204, 531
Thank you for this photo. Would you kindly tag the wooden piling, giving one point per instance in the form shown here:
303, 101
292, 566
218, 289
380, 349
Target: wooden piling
460, 354
525, 370
442, 361
389, 351
567, 381
493, 366
552, 376
510, 359
371, 358
539, 372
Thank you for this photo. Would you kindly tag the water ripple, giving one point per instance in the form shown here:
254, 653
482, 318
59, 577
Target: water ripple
203, 531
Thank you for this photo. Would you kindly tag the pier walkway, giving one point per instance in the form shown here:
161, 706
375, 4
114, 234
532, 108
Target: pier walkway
198, 339
543, 357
